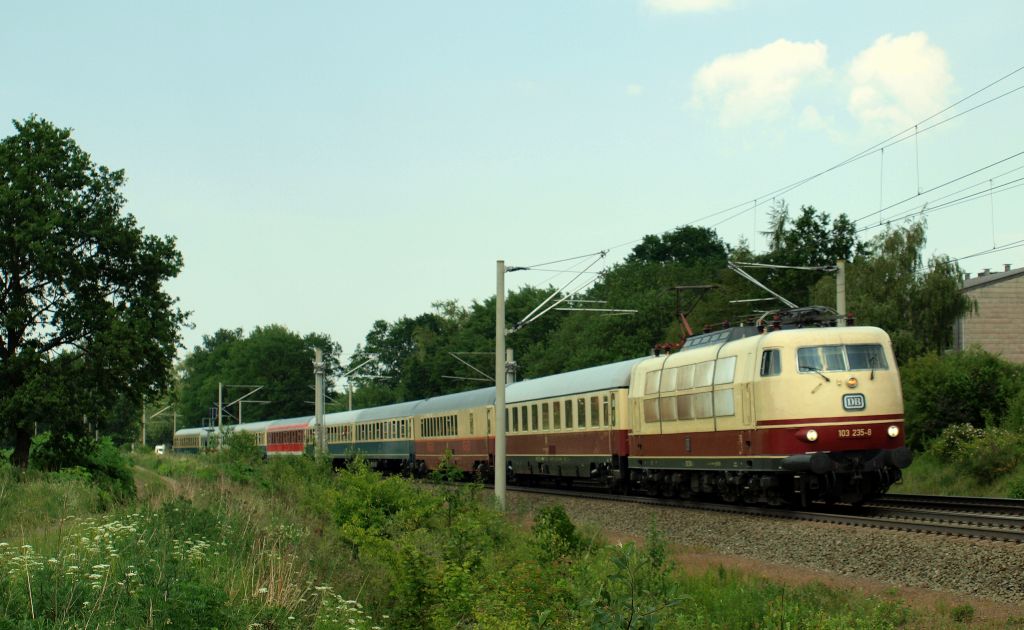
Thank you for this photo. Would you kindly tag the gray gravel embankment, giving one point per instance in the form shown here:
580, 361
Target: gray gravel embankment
992, 570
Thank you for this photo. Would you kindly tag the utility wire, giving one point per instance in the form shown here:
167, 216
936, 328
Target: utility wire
942, 185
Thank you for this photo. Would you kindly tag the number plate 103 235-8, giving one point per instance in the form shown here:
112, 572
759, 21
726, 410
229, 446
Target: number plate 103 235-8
855, 432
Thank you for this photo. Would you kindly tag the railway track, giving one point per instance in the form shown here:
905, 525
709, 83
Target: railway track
985, 519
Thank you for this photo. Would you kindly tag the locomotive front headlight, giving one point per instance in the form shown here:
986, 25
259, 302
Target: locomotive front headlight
893, 431
812, 435
851, 382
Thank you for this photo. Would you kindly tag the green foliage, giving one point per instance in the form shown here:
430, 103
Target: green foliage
972, 387
240, 456
984, 454
889, 286
811, 241
636, 589
270, 356
555, 533
993, 454
85, 316
964, 613
952, 443
371, 509
98, 461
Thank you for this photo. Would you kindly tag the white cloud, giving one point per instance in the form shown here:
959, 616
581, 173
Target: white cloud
758, 84
688, 6
634, 90
899, 80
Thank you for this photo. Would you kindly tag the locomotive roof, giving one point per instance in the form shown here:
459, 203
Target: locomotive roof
612, 376
455, 402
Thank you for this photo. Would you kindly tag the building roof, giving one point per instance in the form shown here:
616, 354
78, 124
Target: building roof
990, 278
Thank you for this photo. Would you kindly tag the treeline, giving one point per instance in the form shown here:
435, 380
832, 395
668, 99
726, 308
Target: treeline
889, 284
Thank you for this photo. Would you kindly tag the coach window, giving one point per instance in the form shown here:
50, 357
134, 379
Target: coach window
545, 418
595, 411
581, 413
771, 362
556, 414
614, 413
515, 419
568, 414
534, 418
604, 410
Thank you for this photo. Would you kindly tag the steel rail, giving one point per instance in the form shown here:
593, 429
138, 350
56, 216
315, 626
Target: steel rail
913, 521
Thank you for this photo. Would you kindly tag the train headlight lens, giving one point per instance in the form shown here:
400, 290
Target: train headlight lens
812, 435
893, 431
851, 382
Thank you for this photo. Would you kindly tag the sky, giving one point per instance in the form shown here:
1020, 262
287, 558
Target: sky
323, 165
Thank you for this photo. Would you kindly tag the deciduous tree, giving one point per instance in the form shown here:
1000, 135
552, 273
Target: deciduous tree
84, 317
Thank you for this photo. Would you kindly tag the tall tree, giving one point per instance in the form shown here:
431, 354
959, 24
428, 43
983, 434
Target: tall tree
84, 316
271, 356
812, 240
892, 287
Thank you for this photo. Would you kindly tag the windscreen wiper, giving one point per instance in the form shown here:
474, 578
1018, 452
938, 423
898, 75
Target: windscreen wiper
814, 369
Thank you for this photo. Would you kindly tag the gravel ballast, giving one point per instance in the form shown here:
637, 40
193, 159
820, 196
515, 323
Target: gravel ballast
992, 570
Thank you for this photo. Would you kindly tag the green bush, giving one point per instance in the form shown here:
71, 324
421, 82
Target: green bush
952, 443
99, 461
555, 533
993, 454
973, 387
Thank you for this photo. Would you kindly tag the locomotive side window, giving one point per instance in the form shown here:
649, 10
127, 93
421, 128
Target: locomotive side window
651, 410
667, 407
668, 380
684, 380
725, 370
684, 407
771, 363
652, 383
702, 405
703, 372
724, 404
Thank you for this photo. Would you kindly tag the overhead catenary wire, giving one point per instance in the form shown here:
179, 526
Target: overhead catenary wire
928, 209
942, 185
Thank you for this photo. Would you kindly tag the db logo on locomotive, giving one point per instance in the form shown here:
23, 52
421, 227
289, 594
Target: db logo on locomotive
854, 402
